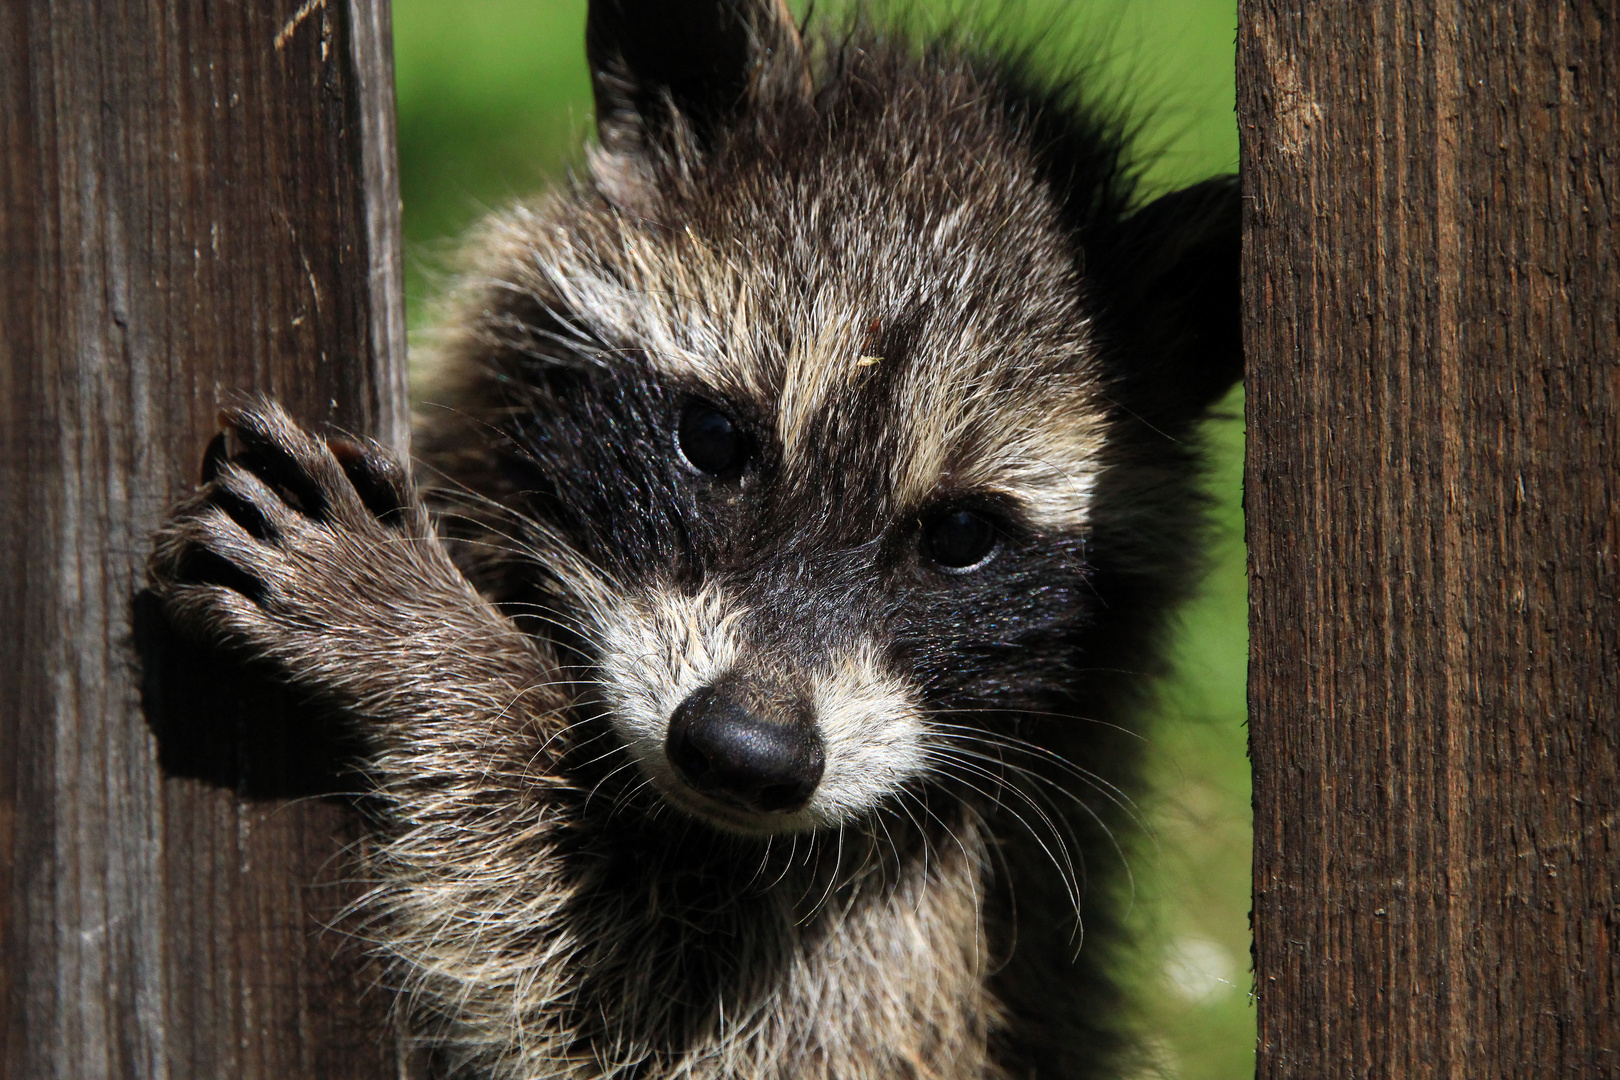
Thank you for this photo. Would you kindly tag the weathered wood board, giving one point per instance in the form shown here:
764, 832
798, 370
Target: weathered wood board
1432, 268
196, 198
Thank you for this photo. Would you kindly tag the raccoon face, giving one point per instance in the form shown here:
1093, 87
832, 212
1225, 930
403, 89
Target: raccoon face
805, 408
786, 625
790, 640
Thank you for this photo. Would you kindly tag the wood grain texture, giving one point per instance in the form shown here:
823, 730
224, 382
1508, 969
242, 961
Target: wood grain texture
1433, 288
196, 198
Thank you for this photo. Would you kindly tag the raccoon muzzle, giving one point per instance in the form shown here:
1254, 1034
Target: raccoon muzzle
723, 748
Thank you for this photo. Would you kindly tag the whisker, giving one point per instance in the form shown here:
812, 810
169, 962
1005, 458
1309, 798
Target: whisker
616, 771
1112, 792
1065, 864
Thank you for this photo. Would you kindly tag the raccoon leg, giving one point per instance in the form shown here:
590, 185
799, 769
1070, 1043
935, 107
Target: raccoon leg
319, 557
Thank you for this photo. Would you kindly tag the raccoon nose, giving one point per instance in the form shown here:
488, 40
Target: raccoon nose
723, 749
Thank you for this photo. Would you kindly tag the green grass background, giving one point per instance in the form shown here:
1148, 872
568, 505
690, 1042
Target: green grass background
494, 103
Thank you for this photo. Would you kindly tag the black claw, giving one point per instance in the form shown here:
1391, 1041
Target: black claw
213, 457
246, 514
199, 566
376, 480
267, 456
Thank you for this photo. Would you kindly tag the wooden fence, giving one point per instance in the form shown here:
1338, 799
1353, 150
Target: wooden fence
199, 197
1432, 275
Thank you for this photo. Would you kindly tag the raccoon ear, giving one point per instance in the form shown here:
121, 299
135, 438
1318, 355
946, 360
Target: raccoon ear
661, 64
1169, 278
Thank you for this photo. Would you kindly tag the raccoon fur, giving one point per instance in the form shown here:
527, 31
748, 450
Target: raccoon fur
810, 484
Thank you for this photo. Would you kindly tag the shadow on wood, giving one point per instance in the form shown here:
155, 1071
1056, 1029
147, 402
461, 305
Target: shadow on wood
222, 721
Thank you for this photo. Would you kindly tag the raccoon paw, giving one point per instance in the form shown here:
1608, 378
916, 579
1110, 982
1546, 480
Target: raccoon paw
314, 553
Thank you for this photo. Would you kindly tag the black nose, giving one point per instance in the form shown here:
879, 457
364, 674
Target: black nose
722, 748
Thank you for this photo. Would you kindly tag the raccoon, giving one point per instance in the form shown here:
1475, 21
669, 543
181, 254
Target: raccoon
750, 677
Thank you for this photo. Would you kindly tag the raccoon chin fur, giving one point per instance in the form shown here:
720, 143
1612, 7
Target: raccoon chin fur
824, 463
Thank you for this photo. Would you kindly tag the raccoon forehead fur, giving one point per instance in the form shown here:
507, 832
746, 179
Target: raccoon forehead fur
882, 292
913, 282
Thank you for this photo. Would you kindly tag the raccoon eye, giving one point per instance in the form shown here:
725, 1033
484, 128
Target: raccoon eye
710, 442
958, 539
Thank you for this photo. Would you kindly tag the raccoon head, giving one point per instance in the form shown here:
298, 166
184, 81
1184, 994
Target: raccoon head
805, 403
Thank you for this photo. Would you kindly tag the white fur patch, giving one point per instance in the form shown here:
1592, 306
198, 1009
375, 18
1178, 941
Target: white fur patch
660, 646
871, 730
685, 306
1049, 469
973, 420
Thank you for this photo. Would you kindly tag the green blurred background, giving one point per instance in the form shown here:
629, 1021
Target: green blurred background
494, 103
